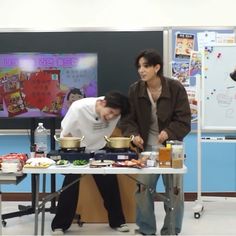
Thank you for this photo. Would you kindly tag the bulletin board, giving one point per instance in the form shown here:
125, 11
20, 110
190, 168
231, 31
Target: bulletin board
188, 49
218, 89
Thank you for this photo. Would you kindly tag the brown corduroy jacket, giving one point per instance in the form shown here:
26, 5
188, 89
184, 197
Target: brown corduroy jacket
173, 111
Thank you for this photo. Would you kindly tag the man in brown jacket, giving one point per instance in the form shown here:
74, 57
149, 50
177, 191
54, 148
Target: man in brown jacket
160, 111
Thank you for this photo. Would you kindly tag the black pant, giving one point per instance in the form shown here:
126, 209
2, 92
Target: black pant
68, 199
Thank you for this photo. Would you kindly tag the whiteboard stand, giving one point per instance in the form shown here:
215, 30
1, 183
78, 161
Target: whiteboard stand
198, 208
214, 75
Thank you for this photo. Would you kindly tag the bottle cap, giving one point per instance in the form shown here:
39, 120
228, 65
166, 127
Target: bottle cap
168, 145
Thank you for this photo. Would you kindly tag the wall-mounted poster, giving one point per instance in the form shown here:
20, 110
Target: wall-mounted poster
180, 71
195, 65
213, 37
184, 44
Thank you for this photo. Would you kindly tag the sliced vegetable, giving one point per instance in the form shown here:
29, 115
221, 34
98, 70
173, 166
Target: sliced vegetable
80, 162
62, 162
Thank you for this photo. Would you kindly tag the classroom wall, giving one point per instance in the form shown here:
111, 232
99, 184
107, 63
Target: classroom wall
123, 14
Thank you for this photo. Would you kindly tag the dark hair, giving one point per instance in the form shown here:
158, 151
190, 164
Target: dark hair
74, 91
115, 99
152, 57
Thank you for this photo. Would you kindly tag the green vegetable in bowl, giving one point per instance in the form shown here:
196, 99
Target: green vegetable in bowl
62, 162
80, 162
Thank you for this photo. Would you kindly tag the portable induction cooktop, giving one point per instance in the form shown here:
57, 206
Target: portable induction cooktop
115, 154
70, 154
103, 154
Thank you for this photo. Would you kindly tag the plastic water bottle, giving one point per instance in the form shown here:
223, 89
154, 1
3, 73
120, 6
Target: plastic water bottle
41, 139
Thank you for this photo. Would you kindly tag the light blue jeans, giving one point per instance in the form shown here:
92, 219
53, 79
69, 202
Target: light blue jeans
145, 215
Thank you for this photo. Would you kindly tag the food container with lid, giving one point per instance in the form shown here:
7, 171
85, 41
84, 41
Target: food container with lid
149, 158
11, 165
177, 153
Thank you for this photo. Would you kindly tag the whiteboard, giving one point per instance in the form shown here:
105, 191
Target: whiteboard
218, 91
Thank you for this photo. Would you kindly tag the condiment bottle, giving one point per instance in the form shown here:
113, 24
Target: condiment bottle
165, 156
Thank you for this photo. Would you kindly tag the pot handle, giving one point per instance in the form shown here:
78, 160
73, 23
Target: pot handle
107, 139
131, 138
82, 138
56, 138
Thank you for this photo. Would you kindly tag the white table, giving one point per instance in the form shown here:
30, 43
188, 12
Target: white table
101, 170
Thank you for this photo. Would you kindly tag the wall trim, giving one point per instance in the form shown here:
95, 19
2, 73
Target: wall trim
189, 196
80, 29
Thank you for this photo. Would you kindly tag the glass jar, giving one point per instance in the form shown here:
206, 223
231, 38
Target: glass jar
165, 156
177, 153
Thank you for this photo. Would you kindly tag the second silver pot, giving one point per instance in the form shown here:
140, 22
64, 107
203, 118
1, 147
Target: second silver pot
119, 142
69, 142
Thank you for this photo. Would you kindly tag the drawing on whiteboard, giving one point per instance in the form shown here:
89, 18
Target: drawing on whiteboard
224, 99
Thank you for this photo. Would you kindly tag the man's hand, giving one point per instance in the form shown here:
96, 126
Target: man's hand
162, 137
138, 141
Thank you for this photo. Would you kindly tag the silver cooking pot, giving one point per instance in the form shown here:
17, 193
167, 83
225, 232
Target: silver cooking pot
69, 142
119, 142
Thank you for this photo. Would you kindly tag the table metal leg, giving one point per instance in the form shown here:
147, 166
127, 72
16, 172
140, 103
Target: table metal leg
42, 208
36, 176
53, 189
49, 197
43, 219
170, 196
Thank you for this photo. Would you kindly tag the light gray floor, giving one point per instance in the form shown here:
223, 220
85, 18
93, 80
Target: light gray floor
218, 218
